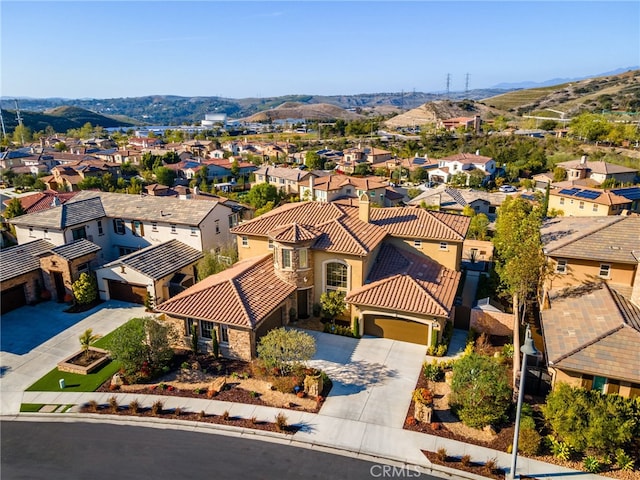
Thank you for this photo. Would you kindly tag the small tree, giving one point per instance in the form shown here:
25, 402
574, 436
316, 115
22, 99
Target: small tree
142, 346
194, 339
285, 349
333, 303
215, 346
480, 392
86, 339
85, 289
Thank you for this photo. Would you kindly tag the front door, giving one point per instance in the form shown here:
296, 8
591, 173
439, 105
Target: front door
303, 303
59, 283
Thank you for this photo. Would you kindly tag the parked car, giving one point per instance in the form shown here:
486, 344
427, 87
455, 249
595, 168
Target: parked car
508, 189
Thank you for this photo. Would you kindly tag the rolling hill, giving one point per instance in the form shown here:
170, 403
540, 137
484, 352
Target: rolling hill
62, 119
316, 111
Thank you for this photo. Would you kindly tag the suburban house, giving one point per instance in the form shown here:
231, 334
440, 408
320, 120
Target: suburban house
591, 302
598, 171
290, 256
463, 163
43, 200
453, 200
38, 266
590, 202
285, 179
138, 228
333, 187
469, 123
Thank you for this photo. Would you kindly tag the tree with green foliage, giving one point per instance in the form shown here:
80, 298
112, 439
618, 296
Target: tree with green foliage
235, 168
590, 420
195, 339
286, 349
413, 192
142, 346
213, 262
150, 161
90, 183
22, 134
165, 176
480, 392
478, 227
14, 208
332, 303
24, 180
313, 161
476, 177
215, 345
519, 259
86, 339
544, 211
418, 175
590, 127
261, 211
261, 194
363, 169
559, 174
85, 289
170, 158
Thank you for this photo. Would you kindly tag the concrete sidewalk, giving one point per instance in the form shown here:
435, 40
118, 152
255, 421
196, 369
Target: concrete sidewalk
338, 435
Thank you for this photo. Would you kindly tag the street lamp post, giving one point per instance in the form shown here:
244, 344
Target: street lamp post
527, 349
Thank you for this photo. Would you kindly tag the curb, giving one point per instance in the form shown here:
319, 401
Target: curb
240, 432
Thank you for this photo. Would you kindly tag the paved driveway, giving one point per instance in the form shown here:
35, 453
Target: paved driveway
373, 378
36, 338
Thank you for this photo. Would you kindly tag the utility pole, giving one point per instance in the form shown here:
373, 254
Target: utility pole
466, 85
448, 83
19, 118
4, 132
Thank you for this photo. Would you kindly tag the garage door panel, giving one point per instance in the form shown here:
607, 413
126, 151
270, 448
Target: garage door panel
127, 292
396, 329
13, 298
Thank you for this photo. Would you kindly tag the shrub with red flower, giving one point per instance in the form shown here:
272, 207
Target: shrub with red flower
423, 396
411, 421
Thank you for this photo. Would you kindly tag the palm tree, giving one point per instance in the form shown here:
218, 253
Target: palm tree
86, 339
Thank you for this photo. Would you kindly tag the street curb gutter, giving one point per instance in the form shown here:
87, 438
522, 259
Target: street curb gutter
202, 427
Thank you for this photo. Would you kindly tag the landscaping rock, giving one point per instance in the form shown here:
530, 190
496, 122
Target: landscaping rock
116, 380
422, 412
218, 384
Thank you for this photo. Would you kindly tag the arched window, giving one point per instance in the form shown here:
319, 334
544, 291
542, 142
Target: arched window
336, 276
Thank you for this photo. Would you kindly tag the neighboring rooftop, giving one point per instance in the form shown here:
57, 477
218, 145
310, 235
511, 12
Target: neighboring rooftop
77, 249
21, 259
158, 261
75, 211
610, 238
593, 330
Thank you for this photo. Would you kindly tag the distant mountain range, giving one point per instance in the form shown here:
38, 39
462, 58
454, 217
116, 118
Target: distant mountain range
558, 81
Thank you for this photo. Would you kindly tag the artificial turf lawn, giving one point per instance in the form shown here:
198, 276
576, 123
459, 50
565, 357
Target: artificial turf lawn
75, 382
31, 407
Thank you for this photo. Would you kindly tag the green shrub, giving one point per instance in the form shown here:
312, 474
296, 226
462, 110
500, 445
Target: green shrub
480, 391
284, 349
317, 309
624, 461
507, 350
591, 464
85, 289
559, 449
529, 441
433, 371
284, 384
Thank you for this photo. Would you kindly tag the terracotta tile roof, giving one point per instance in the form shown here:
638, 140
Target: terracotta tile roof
604, 197
597, 167
294, 233
611, 238
419, 223
595, 331
291, 174
467, 158
336, 182
349, 235
406, 282
243, 295
43, 200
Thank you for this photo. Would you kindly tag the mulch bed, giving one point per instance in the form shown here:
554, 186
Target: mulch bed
195, 417
77, 308
471, 467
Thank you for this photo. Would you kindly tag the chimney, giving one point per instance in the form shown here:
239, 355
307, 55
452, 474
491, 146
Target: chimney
55, 202
364, 207
477, 122
478, 152
311, 193
583, 160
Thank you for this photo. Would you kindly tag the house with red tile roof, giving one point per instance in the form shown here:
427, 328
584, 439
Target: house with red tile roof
462, 163
332, 187
290, 256
43, 200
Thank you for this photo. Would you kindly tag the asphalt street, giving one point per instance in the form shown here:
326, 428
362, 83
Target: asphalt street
68, 451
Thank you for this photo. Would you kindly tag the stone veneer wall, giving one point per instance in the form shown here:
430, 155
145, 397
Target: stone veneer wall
301, 278
69, 270
29, 279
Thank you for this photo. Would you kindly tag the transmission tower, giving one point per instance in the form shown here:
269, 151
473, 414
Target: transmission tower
4, 132
448, 83
466, 85
19, 118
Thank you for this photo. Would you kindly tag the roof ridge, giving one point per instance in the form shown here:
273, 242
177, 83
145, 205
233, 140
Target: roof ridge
586, 234
426, 291
433, 214
234, 287
354, 237
591, 342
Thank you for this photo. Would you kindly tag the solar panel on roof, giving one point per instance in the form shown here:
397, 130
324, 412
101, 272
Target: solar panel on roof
589, 194
628, 193
569, 191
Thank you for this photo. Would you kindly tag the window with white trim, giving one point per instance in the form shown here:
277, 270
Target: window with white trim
444, 246
581, 206
154, 226
245, 241
561, 200
31, 232
100, 229
303, 258
336, 276
561, 266
224, 333
118, 226
137, 228
417, 243
173, 228
194, 231
605, 270
286, 258
595, 207
217, 227
189, 322
270, 244
206, 327
46, 234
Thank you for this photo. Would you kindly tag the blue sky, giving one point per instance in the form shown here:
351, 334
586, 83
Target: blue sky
247, 49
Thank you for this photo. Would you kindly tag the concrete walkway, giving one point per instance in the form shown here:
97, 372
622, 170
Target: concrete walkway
363, 420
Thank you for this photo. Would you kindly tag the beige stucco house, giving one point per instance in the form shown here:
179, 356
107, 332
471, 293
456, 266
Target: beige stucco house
292, 255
